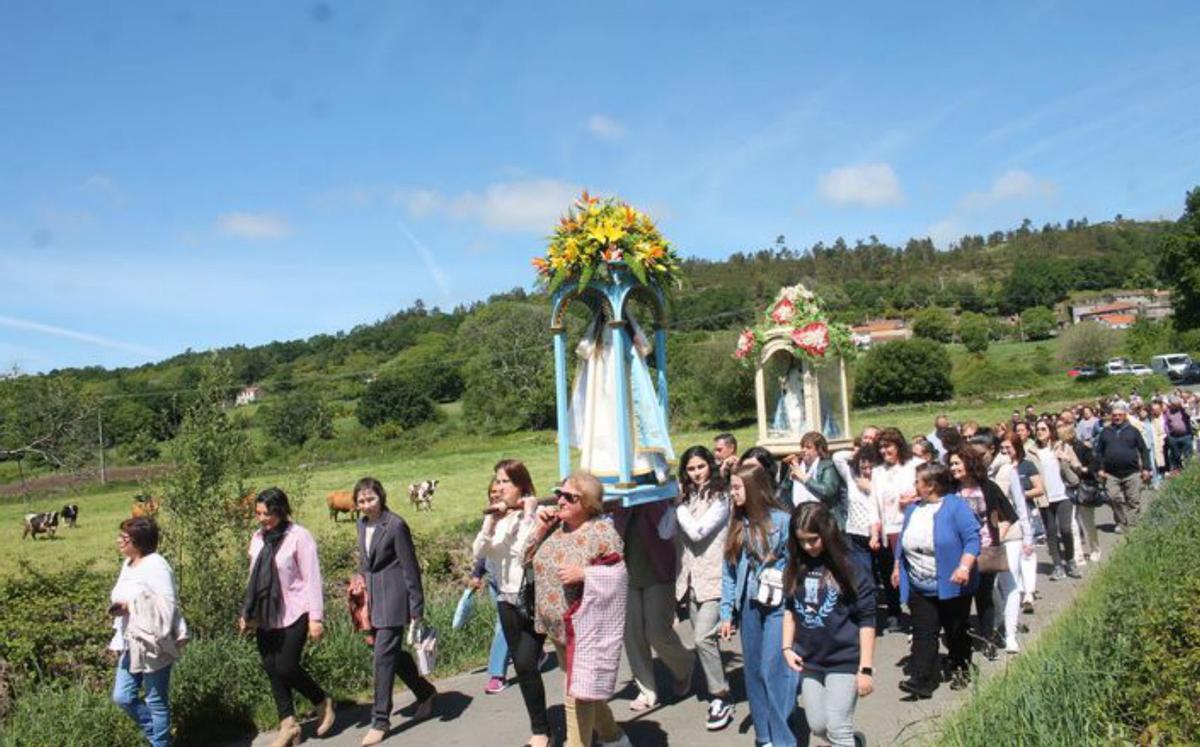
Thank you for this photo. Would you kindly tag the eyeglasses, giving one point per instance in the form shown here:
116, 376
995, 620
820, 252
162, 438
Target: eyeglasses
570, 497
122, 538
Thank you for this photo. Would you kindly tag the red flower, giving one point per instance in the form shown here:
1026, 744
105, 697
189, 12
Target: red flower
813, 338
745, 344
783, 312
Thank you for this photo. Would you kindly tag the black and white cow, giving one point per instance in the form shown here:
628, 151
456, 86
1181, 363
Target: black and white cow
70, 514
421, 494
40, 523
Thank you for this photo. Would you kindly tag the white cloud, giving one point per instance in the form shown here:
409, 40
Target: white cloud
605, 127
945, 232
253, 225
523, 206
104, 186
70, 334
868, 185
1013, 185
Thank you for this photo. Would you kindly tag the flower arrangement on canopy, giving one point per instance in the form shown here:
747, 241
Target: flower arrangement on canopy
800, 313
599, 234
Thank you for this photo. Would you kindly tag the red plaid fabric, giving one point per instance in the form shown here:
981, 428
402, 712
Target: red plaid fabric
595, 631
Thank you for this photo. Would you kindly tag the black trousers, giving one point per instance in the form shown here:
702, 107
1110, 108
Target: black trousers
525, 647
929, 616
985, 606
391, 660
280, 650
1057, 518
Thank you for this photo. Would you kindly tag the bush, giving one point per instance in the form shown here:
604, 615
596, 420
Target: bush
1087, 344
974, 331
429, 363
903, 371
509, 368
707, 386
396, 398
297, 417
55, 625
934, 324
1037, 323
219, 691
69, 715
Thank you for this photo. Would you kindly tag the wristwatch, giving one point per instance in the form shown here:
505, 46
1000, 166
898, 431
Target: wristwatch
869, 671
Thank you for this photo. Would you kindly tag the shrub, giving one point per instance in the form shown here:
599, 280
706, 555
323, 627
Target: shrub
69, 715
1087, 344
396, 398
903, 371
978, 375
219, 690
509, 368
297, 417
55, 626
1037, 323
973, 331
707, 386
934, 324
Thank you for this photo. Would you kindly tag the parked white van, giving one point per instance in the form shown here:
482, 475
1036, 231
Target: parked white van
1165, 364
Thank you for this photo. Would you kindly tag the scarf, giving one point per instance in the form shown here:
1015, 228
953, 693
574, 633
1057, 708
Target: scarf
263, 595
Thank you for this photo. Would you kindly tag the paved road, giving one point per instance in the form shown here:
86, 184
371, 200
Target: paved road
470, 718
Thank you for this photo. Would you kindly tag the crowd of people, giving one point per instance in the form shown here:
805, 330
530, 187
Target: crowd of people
807, 559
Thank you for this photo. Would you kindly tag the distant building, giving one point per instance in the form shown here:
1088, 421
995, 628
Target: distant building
880, 330
1117, 321
248, 395
1148, 304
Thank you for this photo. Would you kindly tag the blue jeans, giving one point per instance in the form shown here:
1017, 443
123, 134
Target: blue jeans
770, 682
498, 658
152, 713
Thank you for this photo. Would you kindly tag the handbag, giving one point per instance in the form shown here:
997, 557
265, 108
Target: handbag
422, 638
464, 610
1089, 494
993, 559
770, 587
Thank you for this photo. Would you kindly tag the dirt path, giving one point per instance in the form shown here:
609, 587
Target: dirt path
470, 718
74, 480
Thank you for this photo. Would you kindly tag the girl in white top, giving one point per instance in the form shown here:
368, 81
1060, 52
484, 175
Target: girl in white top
893, 488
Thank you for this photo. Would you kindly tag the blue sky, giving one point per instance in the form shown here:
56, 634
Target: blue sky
177, 176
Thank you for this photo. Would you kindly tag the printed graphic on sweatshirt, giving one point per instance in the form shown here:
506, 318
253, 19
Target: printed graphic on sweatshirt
814, 610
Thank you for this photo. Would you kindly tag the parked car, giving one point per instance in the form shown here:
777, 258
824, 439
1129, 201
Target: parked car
1115, 368
1189, 375
1171, 362
1083, 372
1137, 369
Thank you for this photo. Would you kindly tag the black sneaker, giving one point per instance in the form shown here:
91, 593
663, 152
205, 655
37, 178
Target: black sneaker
959, 680
1027, 607
720, 715
917, 690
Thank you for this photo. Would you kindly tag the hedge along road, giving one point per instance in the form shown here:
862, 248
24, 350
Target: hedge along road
469, 717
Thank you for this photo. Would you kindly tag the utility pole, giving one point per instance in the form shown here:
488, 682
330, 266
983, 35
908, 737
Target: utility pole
100, 429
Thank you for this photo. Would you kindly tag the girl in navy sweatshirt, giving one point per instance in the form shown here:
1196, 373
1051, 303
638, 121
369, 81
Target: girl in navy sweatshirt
829, 631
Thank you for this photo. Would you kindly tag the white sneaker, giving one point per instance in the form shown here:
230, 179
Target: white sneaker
1011, 647
622, 742
1095, 556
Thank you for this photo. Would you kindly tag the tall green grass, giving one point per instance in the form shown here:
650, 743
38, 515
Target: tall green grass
1123, 664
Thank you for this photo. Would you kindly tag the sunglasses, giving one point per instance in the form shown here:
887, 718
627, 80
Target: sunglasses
570, 497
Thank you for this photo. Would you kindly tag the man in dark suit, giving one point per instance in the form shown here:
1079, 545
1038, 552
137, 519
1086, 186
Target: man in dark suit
395, 600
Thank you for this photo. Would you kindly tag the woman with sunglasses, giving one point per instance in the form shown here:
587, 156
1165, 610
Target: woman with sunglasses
568, 538
1058, 516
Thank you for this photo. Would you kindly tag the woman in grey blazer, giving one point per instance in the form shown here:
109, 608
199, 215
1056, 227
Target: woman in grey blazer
395, 599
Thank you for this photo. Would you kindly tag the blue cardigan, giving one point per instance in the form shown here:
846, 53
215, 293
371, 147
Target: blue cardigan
955, 531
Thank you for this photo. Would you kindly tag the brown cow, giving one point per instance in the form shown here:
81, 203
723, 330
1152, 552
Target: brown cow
144, 505
341, 501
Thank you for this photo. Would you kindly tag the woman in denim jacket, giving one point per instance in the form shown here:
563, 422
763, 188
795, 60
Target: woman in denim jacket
752, 591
